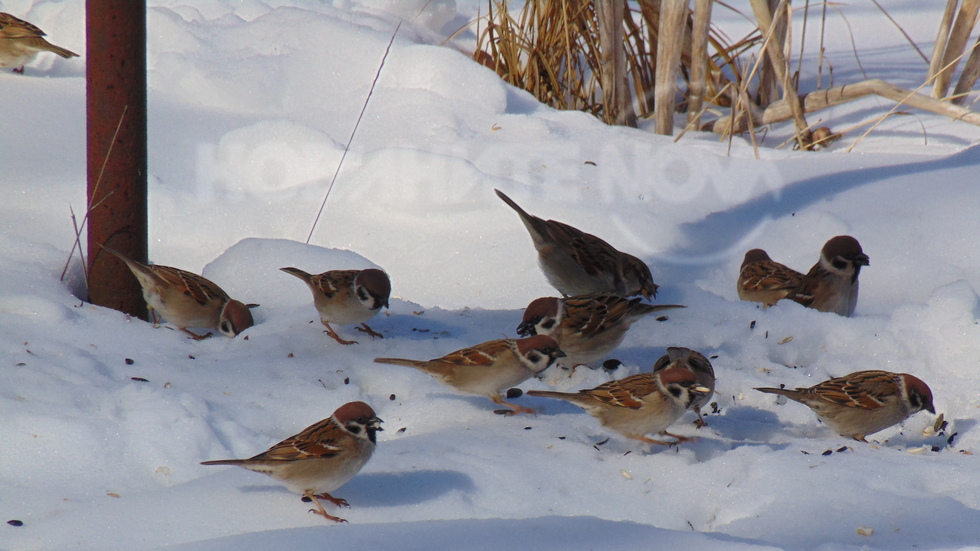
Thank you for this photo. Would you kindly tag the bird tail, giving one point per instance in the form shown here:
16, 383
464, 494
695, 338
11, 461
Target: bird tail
552, 394
63, 52
238, 462
440, 370
644, 308
138, 268
512, 204
769, 390
307, 277
399, 361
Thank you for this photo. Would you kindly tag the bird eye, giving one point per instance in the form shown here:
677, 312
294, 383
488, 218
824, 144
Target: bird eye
227, 328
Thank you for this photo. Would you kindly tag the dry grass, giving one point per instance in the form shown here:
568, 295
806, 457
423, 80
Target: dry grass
551, 49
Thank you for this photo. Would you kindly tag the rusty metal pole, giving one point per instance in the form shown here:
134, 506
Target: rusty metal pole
116, 95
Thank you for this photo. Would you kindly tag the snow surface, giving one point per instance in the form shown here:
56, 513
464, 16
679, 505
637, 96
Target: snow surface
251, 104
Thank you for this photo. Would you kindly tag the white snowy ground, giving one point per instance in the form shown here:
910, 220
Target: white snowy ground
251, 103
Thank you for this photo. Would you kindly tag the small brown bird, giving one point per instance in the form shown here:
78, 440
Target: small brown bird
20, 42
863, 402
491, 367
347, 297
322, 458
831, 285
187, 300
639, 404
579, 263
587, 327
763, 280
696, 363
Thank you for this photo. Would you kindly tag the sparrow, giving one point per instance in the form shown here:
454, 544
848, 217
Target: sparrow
491, 367
864, 402
20, 43
322, 458
639, 404
831, 285
579, 263
347, 297
763, 280
187, 300
696, 363
586, 327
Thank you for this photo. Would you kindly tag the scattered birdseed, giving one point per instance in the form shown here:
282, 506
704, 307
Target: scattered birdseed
514, 393
15, 522
129, 361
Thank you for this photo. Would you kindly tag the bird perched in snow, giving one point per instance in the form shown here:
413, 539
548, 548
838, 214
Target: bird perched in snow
587, 327
763, 280
863, 402
20, 42
322, 458
347, 297
639, 404
831, 285
579, 263
491, 367
187, 300
696, 363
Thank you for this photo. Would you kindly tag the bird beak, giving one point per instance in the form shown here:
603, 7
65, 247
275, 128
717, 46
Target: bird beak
526, 330
863, 260
559, 353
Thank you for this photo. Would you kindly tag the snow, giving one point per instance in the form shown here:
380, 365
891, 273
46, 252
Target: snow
105, 419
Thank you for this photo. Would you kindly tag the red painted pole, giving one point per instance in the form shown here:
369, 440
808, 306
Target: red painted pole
116, 95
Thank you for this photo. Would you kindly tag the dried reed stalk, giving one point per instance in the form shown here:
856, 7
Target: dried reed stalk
959, 35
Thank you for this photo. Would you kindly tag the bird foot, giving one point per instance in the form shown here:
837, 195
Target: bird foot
319, 508
339, 502
195, 336
333, 334
679, 437
365, 329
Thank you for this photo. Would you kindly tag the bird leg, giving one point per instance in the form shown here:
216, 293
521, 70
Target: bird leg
700, 422
679, 437
333, 334
365, 329
194, 335
649, 440
497, 399
339, 502
319, 508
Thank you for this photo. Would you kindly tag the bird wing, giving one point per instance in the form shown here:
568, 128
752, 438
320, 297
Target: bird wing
318, 441
627, 393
